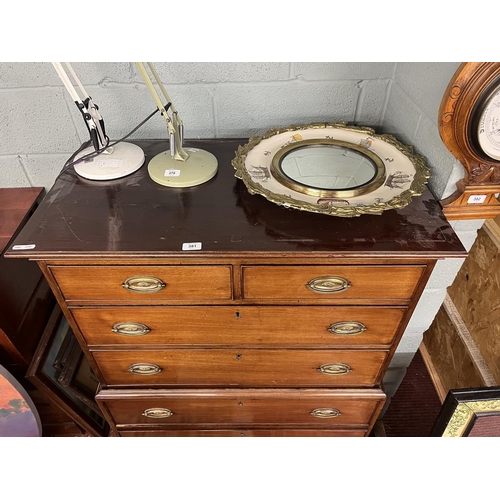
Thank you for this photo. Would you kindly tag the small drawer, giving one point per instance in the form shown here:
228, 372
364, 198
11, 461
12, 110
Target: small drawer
333, 283
312, 408
244, 432
140, 284
246, 326
241, 367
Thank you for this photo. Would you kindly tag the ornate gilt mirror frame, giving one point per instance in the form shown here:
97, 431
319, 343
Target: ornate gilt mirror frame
463, 103
368, 173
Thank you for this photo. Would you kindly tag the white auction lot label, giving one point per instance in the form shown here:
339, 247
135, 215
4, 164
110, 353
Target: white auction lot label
477, 198
172, 173
23, 247
191, 246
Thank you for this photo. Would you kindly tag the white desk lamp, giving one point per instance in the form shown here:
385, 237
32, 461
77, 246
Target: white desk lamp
177, 167
110, 162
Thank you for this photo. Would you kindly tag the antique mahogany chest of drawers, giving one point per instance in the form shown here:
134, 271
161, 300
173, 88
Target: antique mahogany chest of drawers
278, 323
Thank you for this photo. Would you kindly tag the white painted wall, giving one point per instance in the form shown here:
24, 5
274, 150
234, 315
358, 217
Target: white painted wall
40, 126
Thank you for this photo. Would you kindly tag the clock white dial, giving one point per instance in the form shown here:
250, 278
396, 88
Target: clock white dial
489, 126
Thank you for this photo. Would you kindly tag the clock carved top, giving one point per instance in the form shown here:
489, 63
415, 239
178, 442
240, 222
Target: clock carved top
465, 105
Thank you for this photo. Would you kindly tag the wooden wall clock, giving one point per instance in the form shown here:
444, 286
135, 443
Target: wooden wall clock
469, 125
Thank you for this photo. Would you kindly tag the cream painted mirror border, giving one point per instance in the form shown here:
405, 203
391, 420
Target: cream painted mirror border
401, 174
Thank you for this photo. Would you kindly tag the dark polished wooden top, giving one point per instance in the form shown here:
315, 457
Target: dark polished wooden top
15, 207
134, 217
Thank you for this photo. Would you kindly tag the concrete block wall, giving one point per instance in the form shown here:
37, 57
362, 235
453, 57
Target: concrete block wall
411, 115
40, 127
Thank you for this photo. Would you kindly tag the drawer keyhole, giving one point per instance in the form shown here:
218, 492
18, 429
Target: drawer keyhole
238, 356
237, 315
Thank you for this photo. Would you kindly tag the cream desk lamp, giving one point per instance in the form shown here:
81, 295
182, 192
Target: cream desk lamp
177, 167
104, 160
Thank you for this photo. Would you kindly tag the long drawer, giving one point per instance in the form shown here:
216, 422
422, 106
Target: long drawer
239, 408
322, 283
246, 325
241, 367
143, 284
245, 432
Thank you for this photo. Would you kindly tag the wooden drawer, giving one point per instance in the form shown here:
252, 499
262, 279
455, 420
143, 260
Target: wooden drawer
314, 408
245, 432
241, 367
140, 284
320, 283
245, 326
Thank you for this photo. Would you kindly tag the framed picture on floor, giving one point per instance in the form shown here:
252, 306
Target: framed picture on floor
60, 370
18, 415
473, 412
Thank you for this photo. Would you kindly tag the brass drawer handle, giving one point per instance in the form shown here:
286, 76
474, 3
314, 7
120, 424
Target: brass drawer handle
325, 413
328, 284
347, 328
334, 369
130, 329
144, 369
157, 413
143, 284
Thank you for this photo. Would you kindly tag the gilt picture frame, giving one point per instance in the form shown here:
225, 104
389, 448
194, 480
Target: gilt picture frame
473, 412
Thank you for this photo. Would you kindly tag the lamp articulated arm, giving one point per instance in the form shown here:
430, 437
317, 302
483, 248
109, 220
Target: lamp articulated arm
174, 123
102, 160
89, 110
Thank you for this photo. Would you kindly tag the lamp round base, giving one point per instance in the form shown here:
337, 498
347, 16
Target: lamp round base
120, 160
200, 167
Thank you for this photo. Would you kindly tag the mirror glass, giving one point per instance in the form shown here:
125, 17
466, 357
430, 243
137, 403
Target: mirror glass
328, 167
